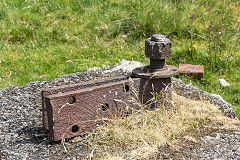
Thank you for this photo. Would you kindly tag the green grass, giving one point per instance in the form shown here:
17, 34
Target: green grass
42, 40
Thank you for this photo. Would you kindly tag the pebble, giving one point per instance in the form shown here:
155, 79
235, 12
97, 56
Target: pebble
224, 83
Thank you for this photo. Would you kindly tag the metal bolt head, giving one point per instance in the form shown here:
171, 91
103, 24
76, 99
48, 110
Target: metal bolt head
158, 47
158, 38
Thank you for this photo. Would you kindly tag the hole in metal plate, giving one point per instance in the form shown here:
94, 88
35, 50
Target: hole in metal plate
126, 88
104, 107
75, 128
71, 100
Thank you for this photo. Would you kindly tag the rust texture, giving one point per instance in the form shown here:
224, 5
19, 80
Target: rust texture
79, 111
196, 70
158, 47
76, 109
155, 86
66, 88
154, 92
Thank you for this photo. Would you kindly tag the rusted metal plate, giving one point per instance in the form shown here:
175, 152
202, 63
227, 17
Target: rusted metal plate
196, 70
79, 111
66, 88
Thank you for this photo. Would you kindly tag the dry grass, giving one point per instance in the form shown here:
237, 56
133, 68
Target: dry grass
140, 135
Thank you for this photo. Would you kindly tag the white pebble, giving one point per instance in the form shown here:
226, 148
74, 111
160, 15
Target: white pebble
224, 83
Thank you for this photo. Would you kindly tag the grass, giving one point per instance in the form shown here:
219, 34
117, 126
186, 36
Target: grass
140, 135
42, 40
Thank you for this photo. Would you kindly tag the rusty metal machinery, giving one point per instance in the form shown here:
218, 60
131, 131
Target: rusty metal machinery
73, 110
155, 82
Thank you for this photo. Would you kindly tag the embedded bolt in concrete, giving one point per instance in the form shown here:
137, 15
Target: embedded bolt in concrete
155, 79
76, 109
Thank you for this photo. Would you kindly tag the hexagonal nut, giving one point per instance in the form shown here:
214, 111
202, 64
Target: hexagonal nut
158, 49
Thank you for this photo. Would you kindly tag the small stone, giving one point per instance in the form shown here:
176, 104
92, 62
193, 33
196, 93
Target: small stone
223, 82
94, 69
126, 66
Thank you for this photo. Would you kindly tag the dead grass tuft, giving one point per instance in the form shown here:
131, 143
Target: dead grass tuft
141, 134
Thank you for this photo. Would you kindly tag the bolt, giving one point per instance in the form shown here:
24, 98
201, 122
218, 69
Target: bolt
158, 38
155, 83
157, 48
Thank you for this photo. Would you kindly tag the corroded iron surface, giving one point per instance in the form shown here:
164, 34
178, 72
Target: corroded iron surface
158, 47
196, 70
155, 92
157, 74
66, 88
73, 110
165, 72
79, 111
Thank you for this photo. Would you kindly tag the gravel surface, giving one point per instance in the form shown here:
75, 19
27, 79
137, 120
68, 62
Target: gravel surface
21, 133
218, 145
195, 93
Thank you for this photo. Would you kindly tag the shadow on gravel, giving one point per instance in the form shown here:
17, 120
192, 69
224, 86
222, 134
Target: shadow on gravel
34, 135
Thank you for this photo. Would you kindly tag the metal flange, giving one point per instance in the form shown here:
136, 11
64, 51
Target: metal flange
165, 72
